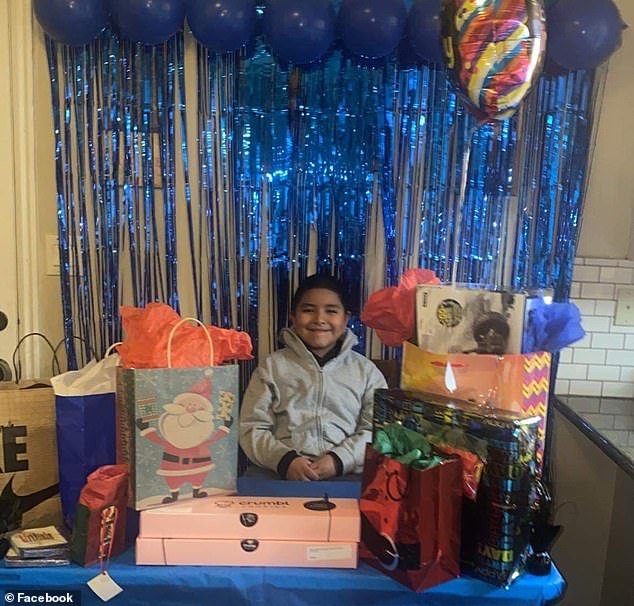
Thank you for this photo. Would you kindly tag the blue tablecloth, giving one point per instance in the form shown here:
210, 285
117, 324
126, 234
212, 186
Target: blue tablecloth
236, 586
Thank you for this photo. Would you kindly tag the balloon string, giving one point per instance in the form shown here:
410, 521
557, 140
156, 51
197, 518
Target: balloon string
461, 198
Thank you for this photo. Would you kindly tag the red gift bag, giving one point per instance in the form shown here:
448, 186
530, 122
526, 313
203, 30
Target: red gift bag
410, 520
99, 530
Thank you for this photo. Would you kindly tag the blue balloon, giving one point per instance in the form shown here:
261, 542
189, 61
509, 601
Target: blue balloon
299, 31
72, 22
406, 56
582, 34
372, 28
148, 21
224, 25
424, 30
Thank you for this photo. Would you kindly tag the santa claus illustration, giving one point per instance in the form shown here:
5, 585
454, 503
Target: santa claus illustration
185, 432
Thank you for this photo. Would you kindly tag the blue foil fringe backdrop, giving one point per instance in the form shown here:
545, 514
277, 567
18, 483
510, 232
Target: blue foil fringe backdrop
346, 166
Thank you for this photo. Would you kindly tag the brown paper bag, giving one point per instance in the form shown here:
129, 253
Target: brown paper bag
29, 489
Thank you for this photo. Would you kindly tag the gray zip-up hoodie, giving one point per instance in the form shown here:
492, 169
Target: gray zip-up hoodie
292, 403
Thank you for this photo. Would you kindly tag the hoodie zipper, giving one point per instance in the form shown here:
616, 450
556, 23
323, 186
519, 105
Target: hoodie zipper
320, 406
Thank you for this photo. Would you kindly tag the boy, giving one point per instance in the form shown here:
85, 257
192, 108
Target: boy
307, 412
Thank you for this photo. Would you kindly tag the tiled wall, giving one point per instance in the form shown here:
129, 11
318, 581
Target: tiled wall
602, 363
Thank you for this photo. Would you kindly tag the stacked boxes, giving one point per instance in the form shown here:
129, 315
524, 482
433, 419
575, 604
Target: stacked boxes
252, 531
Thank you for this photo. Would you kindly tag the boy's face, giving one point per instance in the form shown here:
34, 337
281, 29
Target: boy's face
320, 319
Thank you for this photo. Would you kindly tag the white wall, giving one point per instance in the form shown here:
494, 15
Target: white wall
8, 300
50, 316
602, 363
25, 148
607, 229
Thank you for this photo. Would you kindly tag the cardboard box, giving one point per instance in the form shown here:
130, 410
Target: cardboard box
262, 518
252, 531
245, 552
457, 319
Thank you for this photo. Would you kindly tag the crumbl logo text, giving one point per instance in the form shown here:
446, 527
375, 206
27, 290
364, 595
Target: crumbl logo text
246, 503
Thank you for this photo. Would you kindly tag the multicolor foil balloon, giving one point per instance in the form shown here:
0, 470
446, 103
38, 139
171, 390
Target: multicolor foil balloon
494, 51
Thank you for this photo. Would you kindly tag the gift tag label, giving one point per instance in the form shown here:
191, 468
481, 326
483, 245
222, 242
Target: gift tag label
104, 586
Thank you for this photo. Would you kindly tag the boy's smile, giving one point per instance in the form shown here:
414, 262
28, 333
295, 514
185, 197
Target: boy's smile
320, 320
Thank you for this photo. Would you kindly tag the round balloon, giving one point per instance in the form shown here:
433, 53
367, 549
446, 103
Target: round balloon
407, 57
223, 25
372, 28
582, 34
424, 31
72, 22
494, 51
299, 31
148, 21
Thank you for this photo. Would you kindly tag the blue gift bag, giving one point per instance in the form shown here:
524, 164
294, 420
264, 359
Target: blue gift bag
85, 422
85, 441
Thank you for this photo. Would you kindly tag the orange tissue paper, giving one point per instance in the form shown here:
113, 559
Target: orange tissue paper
147, 332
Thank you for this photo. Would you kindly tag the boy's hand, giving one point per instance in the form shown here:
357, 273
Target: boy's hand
301, 469
325, 467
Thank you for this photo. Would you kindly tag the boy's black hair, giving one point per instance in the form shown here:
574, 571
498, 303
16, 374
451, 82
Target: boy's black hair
320, 281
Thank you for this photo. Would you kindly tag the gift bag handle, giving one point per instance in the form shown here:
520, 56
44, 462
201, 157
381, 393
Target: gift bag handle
396, 494
17, 365
171, 336
111, 348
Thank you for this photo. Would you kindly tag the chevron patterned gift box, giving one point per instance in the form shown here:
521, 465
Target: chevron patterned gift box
517, 383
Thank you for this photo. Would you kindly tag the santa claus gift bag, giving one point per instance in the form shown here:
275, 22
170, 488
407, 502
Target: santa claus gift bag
175, 425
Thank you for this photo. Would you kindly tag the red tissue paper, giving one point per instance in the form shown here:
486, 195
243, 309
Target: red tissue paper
392, 311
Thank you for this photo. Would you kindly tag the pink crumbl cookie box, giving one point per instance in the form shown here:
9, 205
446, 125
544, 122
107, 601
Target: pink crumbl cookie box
252, 531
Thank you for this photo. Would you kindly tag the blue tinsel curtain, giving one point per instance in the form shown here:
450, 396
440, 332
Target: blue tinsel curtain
216, 182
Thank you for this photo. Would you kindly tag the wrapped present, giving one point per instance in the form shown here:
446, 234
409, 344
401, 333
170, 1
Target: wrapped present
495, 527
518, 383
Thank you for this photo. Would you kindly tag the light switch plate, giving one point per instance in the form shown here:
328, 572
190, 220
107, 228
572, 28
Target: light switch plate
624, 315
52, 255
